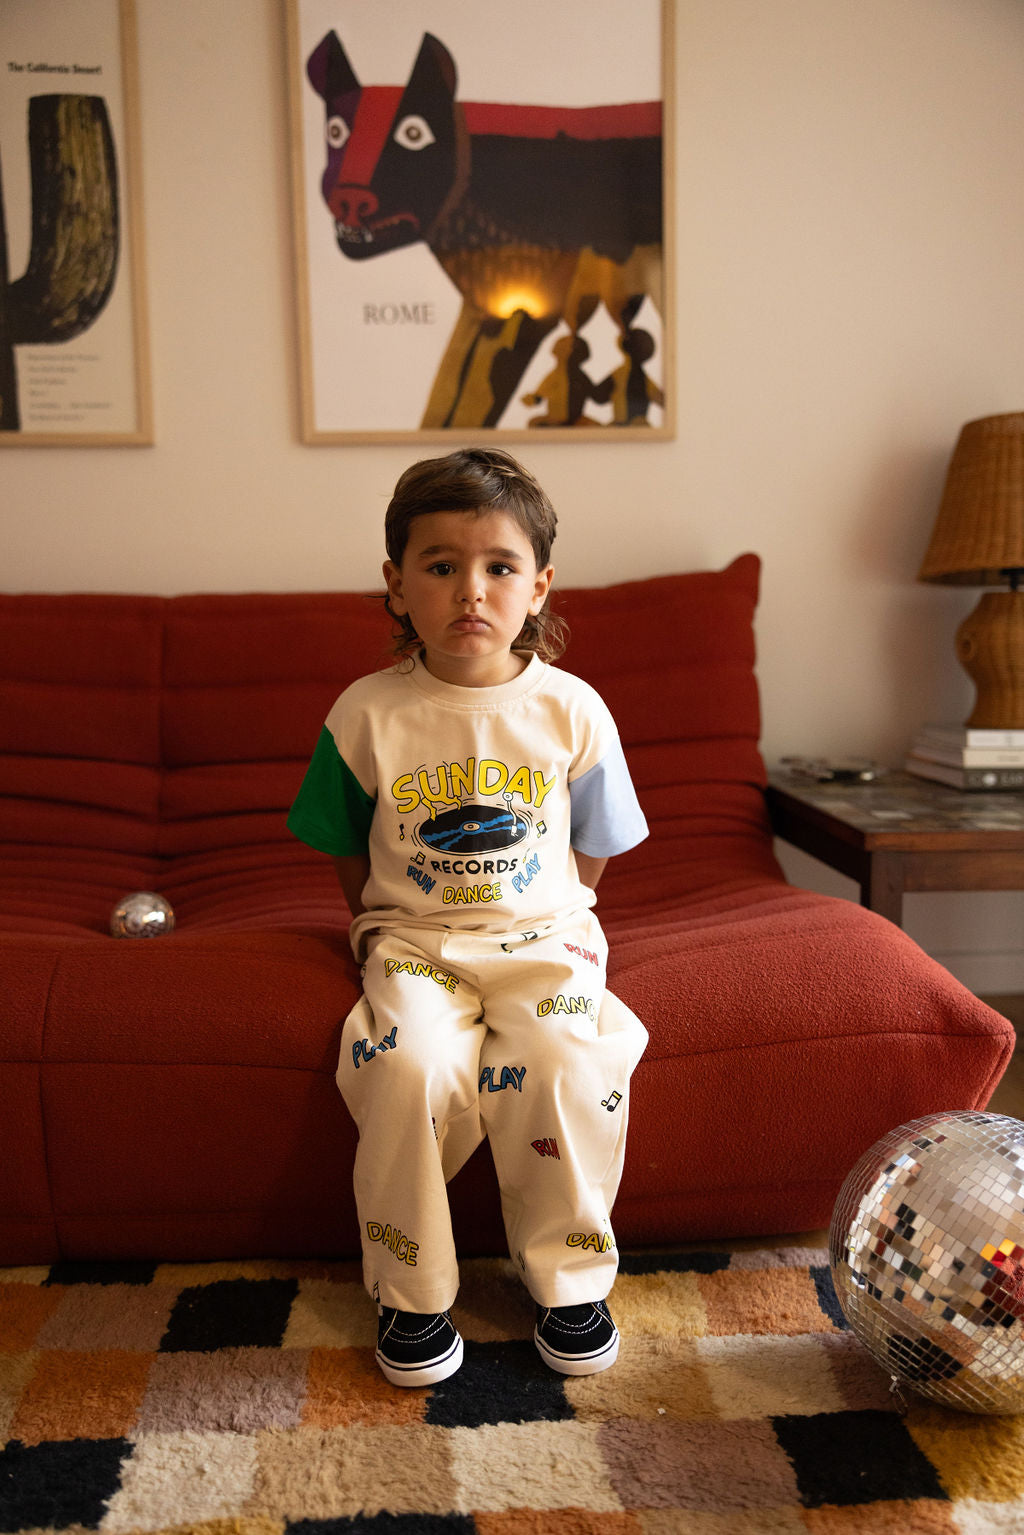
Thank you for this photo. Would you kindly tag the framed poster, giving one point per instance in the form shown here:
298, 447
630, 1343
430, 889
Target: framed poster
74, 365
482, 220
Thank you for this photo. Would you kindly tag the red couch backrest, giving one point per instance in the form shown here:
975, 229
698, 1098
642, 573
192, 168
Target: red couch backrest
674, 657
180, 725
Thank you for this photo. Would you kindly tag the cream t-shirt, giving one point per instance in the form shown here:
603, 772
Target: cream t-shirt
469, 802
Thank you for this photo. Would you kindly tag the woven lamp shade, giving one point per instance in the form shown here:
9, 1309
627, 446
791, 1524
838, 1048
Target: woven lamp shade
979, 541
979, 532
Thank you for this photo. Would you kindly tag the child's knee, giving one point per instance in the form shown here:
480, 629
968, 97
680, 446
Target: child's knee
399, 1080
554, 1051
571, 1046
363, 1049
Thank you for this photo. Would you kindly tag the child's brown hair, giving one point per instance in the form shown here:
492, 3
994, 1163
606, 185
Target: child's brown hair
477, 480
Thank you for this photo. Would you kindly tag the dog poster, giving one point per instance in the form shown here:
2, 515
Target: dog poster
480, 218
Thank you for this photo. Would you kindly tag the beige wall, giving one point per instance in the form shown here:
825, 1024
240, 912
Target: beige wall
850, 249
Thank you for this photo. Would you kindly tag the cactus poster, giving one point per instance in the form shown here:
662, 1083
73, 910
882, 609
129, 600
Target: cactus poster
72, 336
480, 218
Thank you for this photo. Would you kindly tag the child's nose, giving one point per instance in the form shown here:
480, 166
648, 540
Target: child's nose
472, 587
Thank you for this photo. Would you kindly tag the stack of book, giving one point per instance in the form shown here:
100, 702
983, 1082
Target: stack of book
968, 758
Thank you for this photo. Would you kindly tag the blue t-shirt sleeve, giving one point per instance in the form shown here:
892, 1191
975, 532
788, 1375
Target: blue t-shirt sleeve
606, 818
332, 811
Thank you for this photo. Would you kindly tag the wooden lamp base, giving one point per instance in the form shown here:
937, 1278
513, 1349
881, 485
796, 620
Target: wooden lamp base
990, 647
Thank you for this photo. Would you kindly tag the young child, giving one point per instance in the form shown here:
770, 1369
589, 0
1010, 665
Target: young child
471, 796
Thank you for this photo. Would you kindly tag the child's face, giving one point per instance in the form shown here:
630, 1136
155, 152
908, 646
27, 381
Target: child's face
467, 582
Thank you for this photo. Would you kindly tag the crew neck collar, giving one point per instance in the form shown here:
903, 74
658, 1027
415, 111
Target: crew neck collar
477, 698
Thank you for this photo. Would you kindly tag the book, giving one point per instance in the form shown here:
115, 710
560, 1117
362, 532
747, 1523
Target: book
969, 756
956, 736
991, 778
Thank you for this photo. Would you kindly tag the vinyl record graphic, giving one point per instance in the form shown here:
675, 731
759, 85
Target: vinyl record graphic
474, 829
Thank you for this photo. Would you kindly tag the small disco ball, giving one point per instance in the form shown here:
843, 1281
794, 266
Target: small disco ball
143, 914
927, 1254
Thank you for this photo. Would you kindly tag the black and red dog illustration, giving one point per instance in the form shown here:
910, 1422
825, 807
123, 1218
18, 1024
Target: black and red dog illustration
537, 215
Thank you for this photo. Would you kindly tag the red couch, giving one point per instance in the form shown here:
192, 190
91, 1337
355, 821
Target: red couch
175, 1097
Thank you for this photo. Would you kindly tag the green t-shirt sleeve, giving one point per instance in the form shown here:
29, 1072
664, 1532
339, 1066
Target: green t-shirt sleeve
332, 811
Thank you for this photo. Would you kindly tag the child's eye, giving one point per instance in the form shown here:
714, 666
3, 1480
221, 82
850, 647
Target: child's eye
501, 569
441, 568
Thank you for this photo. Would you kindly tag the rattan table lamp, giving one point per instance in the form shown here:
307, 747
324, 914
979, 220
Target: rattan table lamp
979, 541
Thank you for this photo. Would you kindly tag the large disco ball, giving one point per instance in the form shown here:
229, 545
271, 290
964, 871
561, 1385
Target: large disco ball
143, 914
927, 1254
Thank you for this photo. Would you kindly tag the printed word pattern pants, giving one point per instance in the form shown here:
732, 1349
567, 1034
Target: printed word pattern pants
461, 1035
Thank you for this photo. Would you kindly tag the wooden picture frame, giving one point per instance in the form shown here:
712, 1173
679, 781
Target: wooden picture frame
482, 219
74, 355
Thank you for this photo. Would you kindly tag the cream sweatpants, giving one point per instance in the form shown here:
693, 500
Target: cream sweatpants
461, 1035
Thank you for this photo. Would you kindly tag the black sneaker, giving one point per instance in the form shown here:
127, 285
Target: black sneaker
415, 1349
577, 1340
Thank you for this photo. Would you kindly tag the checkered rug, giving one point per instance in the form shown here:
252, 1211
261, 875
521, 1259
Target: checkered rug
243, 1399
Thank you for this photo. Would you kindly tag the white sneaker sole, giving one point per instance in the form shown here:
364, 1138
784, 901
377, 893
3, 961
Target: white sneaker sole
427, 1374
578, 1364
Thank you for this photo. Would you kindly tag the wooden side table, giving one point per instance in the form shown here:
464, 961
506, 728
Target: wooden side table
903, 833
